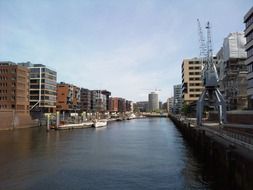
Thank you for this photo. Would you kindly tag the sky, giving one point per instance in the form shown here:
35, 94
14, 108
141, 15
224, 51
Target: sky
129, 47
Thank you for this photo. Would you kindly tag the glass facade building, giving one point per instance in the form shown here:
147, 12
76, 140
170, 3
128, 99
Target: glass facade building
42, 88
248, 20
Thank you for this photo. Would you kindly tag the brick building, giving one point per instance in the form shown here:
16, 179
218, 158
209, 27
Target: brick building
14, 96
14, 87
68, 97
114, 104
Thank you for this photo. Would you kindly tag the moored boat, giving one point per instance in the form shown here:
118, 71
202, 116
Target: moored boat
75, 126
99, 123
87, 124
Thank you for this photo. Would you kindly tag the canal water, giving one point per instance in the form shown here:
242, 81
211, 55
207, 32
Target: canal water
136, 154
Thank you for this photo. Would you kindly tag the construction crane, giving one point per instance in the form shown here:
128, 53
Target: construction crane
211, 95
154, 90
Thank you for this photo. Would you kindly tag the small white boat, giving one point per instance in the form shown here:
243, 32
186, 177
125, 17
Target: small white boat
99, 123
75, 126
132, 116
66, 126
87, 124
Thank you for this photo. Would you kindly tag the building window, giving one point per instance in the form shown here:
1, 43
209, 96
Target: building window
250, 52
249, 37
249, 22
250, 68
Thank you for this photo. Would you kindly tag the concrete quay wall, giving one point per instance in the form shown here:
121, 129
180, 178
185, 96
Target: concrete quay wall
10, 120
234, 164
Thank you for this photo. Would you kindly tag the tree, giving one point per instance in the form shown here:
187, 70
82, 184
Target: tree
186, 109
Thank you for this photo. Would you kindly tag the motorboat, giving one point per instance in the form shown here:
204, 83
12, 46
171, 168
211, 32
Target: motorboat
87, 124
99, 123
75, 125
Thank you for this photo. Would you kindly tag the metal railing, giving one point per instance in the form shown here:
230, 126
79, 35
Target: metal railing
243, 139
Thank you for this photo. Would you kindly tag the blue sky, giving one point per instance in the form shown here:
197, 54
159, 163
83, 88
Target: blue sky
125, 46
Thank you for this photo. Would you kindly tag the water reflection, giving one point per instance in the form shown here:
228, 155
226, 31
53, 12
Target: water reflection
136, 154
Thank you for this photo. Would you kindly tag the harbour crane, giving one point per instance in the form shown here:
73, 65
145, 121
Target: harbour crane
211, 95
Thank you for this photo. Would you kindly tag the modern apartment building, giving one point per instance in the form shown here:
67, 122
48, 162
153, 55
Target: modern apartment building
233, 71
114, 104
142, 106
170, 102
98, 101
248, 20
129, 106
14, 87
122, 105
153, 102
85, 104
68, 98
107, 95
191, 80
177, 101
42, 88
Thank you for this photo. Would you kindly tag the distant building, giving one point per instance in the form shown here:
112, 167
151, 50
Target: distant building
129, 106
42, 88
248, 20
153, 102
192, 85
85, 100
68, 98
14, 87
233, 71
170, 104
142, 106
177, 103
98, 101
122, 105
135, 108
160, 105
164, 107
114, 104
107, 95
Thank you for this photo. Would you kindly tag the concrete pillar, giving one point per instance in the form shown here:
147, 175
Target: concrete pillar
57, 119
84, 116
48, 122
13, 119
